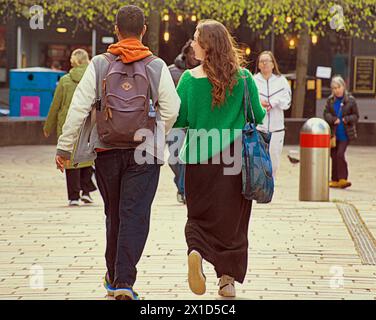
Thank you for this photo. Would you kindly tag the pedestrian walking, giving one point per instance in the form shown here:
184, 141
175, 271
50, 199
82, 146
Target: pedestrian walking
341, 113
218, 215
275, 96
79, 179
132, 90
185, 60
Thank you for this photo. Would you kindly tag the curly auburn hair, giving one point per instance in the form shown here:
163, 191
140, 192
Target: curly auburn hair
222, 58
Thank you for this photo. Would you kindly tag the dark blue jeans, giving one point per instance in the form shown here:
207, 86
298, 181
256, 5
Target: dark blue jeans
128, 190
178, 169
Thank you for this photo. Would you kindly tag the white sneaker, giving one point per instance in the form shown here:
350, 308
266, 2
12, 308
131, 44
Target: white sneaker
74, 203
86, 198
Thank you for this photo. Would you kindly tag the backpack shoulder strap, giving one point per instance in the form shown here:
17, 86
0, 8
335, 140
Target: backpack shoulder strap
154, 96
101, 66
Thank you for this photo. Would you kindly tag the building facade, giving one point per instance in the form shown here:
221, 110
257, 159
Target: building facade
22, 46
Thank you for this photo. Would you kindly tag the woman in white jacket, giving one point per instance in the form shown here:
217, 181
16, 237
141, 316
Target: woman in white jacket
275, 96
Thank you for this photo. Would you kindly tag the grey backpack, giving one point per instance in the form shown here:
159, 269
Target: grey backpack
125, 105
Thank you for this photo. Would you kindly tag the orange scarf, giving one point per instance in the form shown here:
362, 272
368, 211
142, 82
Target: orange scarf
129, 50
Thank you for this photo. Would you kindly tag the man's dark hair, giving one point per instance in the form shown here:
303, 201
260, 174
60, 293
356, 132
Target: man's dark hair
130, 21
186, 47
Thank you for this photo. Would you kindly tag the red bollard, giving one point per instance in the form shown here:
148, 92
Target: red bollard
314, 160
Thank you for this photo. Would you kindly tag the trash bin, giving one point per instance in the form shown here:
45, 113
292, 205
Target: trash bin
309, 110
314, 160
31, 91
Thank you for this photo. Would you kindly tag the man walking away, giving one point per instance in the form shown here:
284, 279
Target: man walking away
123, 95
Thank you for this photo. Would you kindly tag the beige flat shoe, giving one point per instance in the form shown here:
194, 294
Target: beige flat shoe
227, 286
196, 277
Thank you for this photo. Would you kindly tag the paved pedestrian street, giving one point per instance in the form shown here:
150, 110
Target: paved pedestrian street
297, 250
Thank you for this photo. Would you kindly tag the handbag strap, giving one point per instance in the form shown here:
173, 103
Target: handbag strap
247, 101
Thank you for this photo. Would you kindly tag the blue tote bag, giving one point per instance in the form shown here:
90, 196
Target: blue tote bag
257, 173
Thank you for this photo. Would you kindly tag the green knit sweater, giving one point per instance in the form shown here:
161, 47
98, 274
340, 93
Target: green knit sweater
197, 115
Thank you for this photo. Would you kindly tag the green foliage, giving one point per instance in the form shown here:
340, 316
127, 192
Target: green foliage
359, 16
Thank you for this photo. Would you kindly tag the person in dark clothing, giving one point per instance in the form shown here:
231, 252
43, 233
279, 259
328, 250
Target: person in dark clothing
79, 179
341, 113
185, 60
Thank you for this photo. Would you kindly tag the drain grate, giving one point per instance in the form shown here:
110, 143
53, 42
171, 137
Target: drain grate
363, 239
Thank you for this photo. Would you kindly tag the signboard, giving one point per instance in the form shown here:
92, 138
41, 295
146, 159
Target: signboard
108, 40
364, 75
323, 72
30, 106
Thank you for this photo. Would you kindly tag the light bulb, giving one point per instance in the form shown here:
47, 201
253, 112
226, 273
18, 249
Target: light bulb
166, 36
314, 39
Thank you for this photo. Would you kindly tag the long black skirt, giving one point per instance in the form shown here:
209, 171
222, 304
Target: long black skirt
218, 218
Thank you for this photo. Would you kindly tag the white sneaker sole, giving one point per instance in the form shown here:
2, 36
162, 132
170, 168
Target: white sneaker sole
120, 294
196, 278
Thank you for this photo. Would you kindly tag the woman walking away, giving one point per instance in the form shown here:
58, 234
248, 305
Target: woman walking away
218, 214
78, 179
275, 96
341, 113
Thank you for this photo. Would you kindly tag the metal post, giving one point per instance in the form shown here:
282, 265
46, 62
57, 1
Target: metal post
349, 65
19, 47
314, 160
93, 43
272, 38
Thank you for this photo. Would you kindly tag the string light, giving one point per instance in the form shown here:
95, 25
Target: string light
314, 39
61, 30
166, 17
166, 36
180, 18
288, 19
194, 18
248, 51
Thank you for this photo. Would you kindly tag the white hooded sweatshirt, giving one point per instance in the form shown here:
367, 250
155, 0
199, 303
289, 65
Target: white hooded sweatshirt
277, 91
